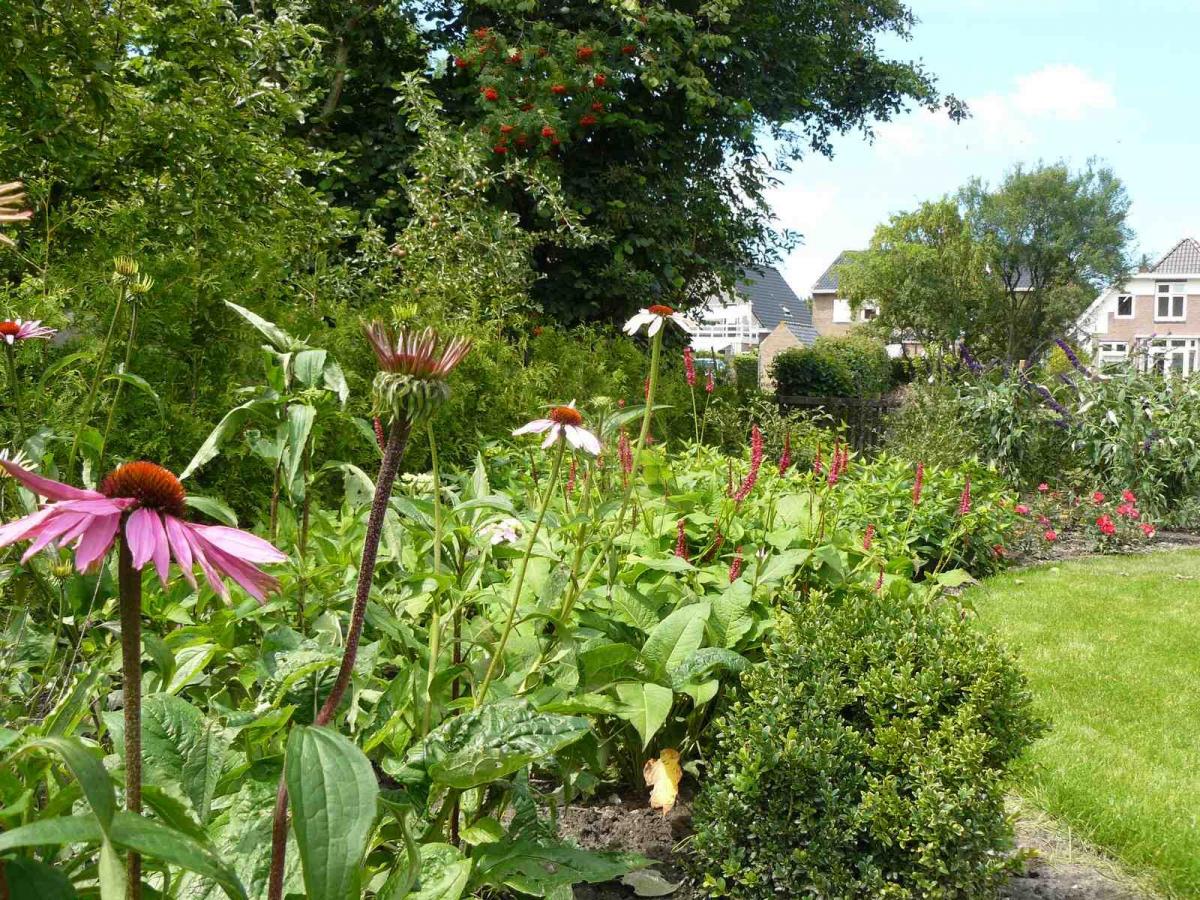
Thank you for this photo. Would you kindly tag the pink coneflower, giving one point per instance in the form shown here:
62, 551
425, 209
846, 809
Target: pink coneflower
681, 549
785, 459
689, 367
563, 422
1043, 488
756, 458
12, 207
146, 503
710, 384
869, 536
964, 502
735, 568
652, 318
918, 484
418, 354
13, 330
1098, 497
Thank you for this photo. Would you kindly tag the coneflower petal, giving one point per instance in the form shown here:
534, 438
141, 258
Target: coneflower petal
238, 543
96, 541
47, 487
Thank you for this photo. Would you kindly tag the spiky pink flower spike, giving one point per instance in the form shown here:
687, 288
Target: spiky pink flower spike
689, 367
681, 549
785, 460
146, 503
710, 383
964, 502
918, 484
879, 581
818, 464
869, 536
13, 330
571, 478
735, 568
625, 452
835, 465
756, 458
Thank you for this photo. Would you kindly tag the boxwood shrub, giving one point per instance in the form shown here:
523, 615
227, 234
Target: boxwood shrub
866, 757
850, 366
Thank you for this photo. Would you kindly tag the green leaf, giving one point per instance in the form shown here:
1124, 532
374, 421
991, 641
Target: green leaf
299, 426
137, 381
602, 665
335, 380
954, 578
783, 565
334, 795
67, 715
32, 880
229, 425
156, 841
189, 663
536, 867
182, 748
444, 874
495, 741
309, 365
731, 619
646, 707
672, 639
80, 829
703, 662
88, 770
213, 508
112, 870
674, 564
280, 340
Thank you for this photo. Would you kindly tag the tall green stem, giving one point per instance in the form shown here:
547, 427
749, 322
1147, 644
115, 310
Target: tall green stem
435, 619
10, 356
129, 583
547, 495
90, 403
112, 408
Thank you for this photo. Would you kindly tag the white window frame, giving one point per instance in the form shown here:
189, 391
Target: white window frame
1112, 353
1170, 291
1165, 350
842, 313
1132, 306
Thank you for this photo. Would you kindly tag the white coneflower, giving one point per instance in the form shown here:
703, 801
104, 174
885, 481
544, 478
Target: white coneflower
563, 422
653, 318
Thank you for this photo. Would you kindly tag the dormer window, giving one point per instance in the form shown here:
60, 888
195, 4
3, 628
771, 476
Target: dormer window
1170, 302
1125, 306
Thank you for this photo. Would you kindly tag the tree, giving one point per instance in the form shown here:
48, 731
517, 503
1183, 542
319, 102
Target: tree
1054, 240
928, 274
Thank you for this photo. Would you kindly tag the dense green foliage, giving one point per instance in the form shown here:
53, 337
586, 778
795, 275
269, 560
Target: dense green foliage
856, 365
1005, 269
865, 757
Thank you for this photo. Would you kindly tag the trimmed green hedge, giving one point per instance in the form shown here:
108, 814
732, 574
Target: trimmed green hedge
851, 366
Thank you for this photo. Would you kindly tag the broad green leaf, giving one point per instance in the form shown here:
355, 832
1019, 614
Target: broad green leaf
155, 840
335, 380
781, 566
495, 741
731, 618
189, 664
299, 427
182, 749
80, 829
280, 340
32, 880
444, 874
213, 508
88, 770
701, 663
633, 610
141, 384
113, 881
796, 510
954, 578
602, 665
646, 707
72, 709
537, 867
227, 427
674, 564
309, 365
334, 796
672, 639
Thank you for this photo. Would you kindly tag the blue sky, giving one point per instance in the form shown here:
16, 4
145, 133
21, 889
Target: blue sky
1116, 80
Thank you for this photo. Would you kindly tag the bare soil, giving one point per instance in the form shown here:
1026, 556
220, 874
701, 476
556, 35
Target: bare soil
1056, 865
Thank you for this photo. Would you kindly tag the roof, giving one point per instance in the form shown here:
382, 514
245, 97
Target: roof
773, 301
1183, 259
828, 282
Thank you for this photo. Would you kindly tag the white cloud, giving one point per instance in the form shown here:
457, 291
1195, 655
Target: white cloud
1062, 92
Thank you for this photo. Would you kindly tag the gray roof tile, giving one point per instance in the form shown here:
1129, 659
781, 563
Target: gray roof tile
774, 301
828, 282
1184, 259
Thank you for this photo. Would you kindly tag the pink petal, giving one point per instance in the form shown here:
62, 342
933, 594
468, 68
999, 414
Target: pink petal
253, 580
102, 507
52, 530
241, 544
177, 540
97, 540
147, 540
197, 546
537, 426
19, 529
47, 487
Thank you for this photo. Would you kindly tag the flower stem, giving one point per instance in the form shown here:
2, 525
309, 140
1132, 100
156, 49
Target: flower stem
129, 582
112, 406
388, 467
10, 356
547, 495
90, 403
435, 619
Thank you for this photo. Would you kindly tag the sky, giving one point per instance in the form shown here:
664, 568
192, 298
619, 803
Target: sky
1046, 80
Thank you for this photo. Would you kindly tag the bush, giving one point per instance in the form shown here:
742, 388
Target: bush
745, 372
865, 357
865, 757
851, 366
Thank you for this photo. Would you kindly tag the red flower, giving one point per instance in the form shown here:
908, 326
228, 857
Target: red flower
1021, 509
599, 79
547, 131
500, 148
1128, 496
597, 106
537, 330
1148, 530
818, 468
710, 384
583, 54
1043, 520
756, 457
559, 89
1106, 525
785, 460
587, 121
964, 502
735, 569
505, 129
681, 539
629, 49
1098, 497
1043, 487
869, 536
514, 57
481, 33
490, 94
918, 483
879, 581
460, 62
689, 367
1051, 535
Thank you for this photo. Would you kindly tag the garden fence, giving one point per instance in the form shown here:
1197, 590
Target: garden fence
862, 420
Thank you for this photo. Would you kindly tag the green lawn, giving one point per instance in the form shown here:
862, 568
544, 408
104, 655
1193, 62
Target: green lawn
1112, 649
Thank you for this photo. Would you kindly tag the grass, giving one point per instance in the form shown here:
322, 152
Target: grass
1112, 650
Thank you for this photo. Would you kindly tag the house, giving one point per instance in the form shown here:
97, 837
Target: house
762, 313
1153, 318
832, 314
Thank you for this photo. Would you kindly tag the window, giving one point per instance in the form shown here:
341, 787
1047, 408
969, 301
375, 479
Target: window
1176, 356
869, 313
1125, 307
1113, 353
1170, 303
841, 311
